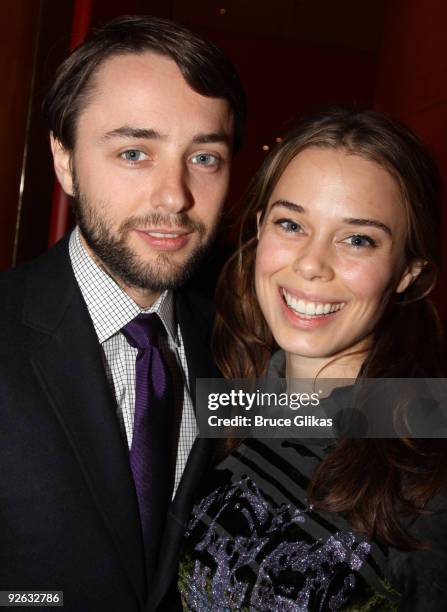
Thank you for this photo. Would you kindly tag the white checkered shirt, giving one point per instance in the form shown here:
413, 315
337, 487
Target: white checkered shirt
110, 309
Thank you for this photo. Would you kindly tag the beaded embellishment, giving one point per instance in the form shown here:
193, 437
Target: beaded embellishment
251, 554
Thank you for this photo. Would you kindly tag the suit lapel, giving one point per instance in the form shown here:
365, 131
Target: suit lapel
195, 322
66, 358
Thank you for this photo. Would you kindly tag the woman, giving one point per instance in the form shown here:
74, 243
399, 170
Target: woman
339, 254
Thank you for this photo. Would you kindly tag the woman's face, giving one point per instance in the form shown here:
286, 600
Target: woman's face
330, 252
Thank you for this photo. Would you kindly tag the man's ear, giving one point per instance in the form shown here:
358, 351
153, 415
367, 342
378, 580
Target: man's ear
410, 274
62, 164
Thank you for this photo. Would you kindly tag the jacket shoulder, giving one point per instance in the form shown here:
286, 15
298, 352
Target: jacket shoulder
12, 288
196, 302
47, 269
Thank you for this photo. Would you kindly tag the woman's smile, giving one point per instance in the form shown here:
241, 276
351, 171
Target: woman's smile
310, 307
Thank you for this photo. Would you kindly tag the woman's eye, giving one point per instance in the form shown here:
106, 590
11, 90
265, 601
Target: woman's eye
288, 225
205, 159
358, 241
134, 155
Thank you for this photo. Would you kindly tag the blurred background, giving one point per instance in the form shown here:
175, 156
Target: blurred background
293, 56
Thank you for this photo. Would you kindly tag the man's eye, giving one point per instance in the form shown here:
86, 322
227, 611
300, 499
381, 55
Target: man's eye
205, 159
134, 155
359, 241
288, 225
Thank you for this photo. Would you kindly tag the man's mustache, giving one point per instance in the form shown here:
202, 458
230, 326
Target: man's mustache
154, 220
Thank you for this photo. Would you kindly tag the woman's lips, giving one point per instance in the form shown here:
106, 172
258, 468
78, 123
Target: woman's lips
308, 314
164, 240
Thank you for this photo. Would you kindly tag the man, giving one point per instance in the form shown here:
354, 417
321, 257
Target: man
97, 422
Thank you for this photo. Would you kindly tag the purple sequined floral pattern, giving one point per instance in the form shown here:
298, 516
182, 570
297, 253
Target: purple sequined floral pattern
246, 553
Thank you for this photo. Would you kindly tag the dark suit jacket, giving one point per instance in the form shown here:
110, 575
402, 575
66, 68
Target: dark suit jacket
68, 509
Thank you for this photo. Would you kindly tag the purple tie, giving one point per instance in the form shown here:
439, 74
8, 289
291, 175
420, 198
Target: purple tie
151, 453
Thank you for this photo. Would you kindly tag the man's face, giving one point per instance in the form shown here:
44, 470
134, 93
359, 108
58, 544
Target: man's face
149, 171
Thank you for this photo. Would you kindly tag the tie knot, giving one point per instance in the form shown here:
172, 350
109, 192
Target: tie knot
142, 332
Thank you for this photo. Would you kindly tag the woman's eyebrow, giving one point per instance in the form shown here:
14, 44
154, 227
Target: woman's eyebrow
289, 205
370, 223
351, 220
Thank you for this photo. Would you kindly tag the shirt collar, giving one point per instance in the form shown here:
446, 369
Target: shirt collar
110, 307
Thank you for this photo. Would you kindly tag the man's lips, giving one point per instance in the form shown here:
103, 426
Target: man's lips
164, 239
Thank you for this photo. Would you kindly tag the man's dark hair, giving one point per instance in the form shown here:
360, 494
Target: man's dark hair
205, 68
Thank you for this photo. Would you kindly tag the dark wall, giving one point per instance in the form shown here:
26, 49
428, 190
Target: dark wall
52, 46
412, 85
285, 79
19, 21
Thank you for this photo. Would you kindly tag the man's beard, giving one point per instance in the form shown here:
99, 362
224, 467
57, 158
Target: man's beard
119, 260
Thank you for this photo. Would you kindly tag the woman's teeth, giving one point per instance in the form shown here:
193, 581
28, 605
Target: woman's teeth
311, 309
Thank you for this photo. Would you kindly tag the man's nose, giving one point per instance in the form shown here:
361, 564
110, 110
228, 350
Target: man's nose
314, 261
170, 192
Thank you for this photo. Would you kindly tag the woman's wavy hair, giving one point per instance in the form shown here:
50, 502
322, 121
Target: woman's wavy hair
363, 479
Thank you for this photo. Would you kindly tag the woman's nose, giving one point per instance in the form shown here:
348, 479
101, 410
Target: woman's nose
314, 261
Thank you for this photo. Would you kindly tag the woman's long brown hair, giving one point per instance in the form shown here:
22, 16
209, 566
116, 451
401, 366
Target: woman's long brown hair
370, 481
